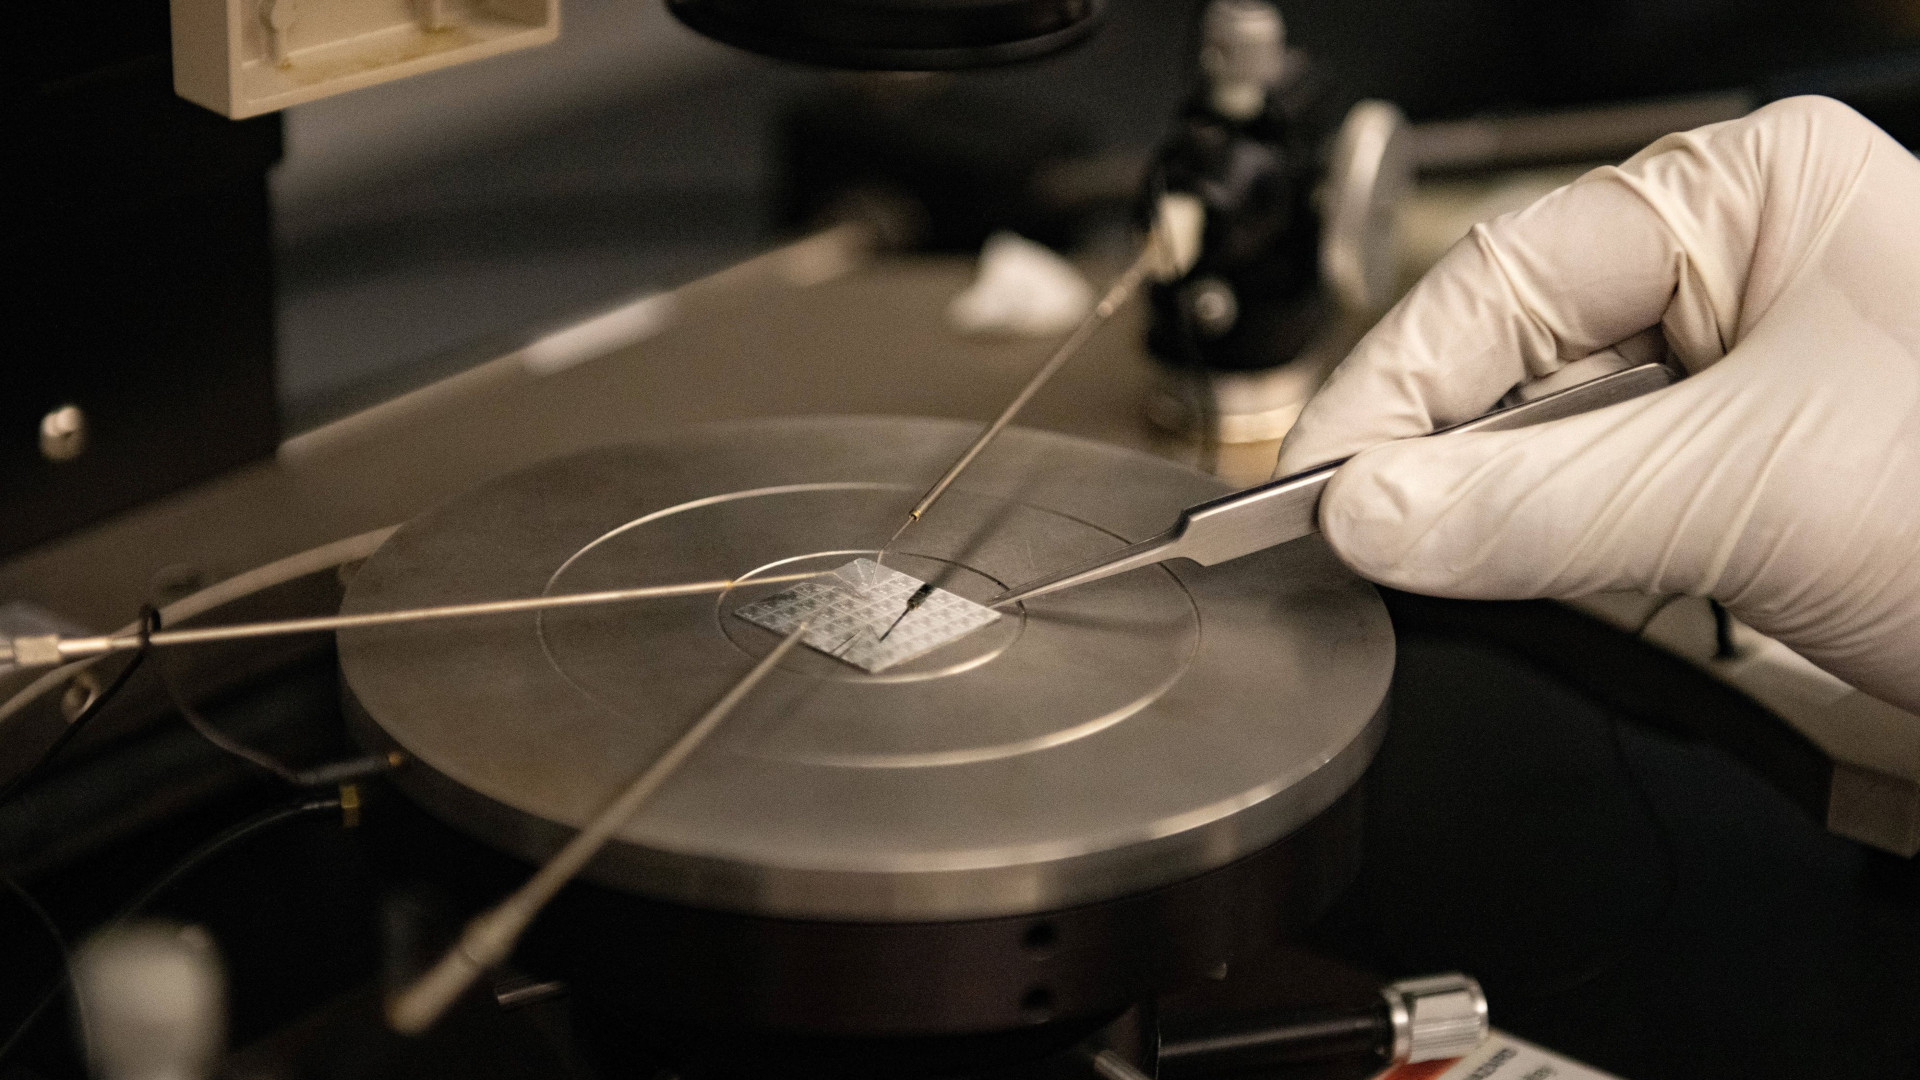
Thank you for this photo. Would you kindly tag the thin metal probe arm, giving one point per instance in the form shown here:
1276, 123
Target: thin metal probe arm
1289, 508
491, 936
46, 650
1117, 293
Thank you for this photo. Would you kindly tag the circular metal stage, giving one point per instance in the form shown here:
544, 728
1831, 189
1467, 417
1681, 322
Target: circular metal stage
1097, 743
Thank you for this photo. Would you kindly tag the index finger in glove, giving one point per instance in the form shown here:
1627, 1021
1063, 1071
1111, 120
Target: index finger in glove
1695, 234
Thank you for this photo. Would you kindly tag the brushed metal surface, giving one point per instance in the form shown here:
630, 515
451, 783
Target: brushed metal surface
1105, 741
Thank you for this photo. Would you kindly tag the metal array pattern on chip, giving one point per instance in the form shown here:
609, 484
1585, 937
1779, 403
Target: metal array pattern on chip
860, 615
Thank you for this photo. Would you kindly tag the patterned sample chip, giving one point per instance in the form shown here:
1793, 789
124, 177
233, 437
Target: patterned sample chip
854, 611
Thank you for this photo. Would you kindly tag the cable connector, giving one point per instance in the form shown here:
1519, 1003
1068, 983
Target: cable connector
32, 651
1436, 1017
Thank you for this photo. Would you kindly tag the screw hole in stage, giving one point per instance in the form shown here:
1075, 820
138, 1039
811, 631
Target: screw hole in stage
1036, 1005
1040, 938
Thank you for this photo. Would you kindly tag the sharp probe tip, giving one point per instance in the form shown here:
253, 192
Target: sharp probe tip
880, 556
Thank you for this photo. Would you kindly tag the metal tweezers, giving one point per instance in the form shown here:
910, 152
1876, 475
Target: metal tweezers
1288, 508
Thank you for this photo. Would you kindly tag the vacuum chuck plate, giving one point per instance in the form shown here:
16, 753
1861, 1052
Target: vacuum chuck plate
1087, 745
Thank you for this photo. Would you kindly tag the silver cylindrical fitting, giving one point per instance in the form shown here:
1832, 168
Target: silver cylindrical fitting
1436, 1017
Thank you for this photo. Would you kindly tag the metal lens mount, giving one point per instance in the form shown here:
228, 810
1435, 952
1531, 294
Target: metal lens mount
895, 35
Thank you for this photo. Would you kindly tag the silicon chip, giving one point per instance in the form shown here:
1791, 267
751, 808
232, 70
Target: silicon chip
854, 611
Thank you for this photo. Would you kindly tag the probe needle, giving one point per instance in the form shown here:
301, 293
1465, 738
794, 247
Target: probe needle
490, 937
1123, 287
51, 649
919, 597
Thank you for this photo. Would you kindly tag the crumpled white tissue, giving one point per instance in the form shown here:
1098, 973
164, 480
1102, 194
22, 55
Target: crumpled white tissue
1022, 289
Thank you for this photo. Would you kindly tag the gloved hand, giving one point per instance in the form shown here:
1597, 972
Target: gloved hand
1779, 255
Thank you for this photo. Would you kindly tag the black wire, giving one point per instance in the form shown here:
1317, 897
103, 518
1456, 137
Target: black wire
33, 1015
149, 622
1608, 958
186, 865
40, 913
319, 776
59, 942
1665, 603
1723, 644
219, 843
220, 739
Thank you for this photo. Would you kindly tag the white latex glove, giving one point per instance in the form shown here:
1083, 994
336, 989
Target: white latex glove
1780, 256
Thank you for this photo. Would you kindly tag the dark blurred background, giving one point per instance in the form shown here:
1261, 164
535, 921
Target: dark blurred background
205, 288
202, 288
418, 222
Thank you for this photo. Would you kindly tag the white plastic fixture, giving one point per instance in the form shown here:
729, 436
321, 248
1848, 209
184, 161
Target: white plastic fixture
242, 58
